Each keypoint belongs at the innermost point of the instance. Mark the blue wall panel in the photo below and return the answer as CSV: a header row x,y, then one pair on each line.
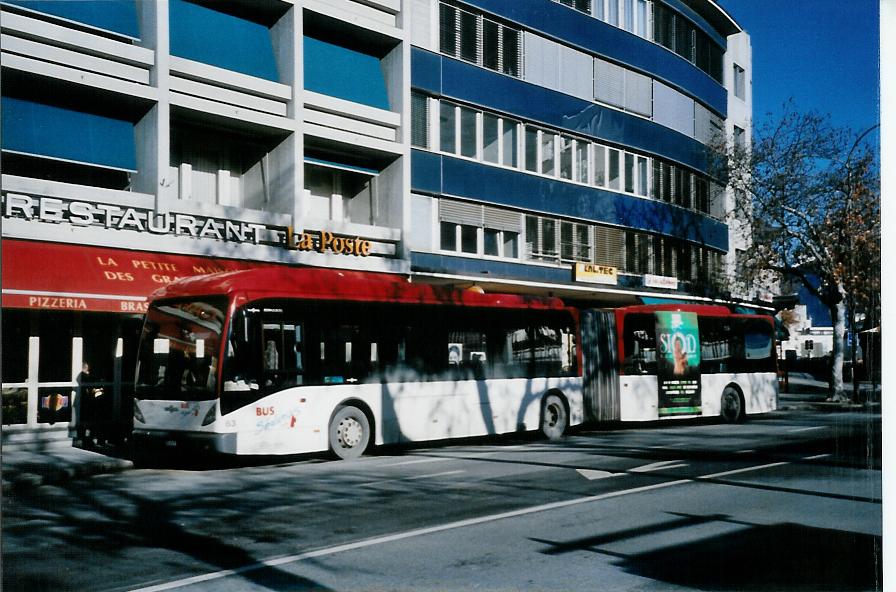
x,y
219,39
528,101
595,36
487,268
44,130
437,174
118,16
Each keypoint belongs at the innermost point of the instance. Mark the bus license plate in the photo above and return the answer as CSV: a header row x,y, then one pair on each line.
x,y
171,443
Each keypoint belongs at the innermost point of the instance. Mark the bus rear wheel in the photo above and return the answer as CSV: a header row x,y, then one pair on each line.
x,y
554,418
732,406
349,432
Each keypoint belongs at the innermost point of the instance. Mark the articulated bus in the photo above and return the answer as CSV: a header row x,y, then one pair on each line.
x,y
286,361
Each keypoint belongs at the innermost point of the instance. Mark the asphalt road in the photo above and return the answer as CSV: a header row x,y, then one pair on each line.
x,y
790,501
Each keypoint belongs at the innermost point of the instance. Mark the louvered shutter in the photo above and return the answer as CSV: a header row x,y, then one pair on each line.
x,y
609,83
500,219
460,212
638,93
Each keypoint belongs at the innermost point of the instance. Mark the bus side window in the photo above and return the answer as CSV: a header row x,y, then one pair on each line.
x,y
639,342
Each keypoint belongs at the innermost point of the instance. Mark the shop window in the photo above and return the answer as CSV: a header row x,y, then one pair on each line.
x,y
15,336
55,347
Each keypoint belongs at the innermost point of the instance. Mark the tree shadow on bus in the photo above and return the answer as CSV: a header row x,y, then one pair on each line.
x,y
745,556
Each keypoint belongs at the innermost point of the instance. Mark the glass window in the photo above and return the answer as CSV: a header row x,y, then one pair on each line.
x,y
598,9
548,236
566,144
491,239
641,23
532,246
490,32
467,354
467,132
511,53
15,339
613,12
639,344
629,15
581,161
531,149
739,138
509,131
547,154
642,175
469,242
179,348
566,241
739,82
468,36
511,244
490,137
600,166
448,234
447,129
629,173
613,173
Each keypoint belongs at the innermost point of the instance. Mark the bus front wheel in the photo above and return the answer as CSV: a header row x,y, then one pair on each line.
x,y
554,418
349,432
732,405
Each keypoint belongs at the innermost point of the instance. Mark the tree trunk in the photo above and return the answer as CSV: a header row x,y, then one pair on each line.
x,y
838,319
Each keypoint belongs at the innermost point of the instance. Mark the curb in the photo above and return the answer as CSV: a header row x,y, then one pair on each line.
x,y
29,477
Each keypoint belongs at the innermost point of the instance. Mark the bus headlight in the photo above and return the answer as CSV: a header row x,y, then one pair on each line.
x,y
138,415
211,416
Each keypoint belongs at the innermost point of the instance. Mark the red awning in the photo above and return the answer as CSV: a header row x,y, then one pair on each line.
x,y
68,277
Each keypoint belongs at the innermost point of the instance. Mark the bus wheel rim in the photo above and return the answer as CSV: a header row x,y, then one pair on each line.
x,y
350,432
553,415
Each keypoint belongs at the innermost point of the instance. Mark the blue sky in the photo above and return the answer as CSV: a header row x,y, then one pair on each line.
x,y
823,53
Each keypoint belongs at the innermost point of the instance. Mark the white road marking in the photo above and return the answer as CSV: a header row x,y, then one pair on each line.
x,y
414,462
430,530
591,475
816,457
658,466
807,429
415,477
748,451
743,470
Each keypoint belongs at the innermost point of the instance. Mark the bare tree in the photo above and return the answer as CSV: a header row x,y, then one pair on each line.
x,y
810,195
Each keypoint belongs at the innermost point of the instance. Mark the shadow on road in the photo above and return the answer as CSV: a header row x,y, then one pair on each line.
x,y
756,557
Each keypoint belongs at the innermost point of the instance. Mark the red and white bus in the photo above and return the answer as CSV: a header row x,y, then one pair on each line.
x,y
286,361
651,362
280,361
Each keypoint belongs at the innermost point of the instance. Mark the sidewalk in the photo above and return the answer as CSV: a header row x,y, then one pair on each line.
x,y
51,461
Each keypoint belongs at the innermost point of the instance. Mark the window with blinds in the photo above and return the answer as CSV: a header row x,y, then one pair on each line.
x,y
542,238
575,242
473,38
673,109
609,246
419,120
675,32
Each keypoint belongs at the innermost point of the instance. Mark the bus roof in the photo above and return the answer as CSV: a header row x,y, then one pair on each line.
x,y
334,284
700,309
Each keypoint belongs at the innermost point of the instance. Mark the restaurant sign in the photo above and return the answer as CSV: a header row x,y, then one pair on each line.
x,y
87,214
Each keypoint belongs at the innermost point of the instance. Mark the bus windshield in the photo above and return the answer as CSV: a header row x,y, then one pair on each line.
x,y
179,348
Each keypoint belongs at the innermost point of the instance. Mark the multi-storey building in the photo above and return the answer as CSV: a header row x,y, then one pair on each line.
x,y
528,146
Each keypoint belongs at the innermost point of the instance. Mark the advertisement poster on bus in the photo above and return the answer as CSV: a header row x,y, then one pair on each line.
x,y
678,363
